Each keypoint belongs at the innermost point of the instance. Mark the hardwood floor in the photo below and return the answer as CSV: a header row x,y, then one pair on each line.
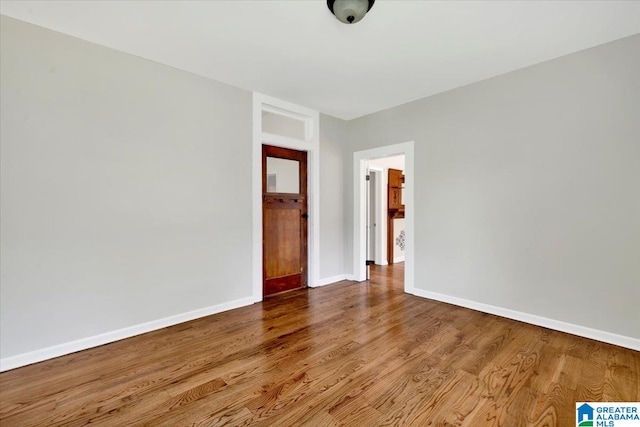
x,y
355,354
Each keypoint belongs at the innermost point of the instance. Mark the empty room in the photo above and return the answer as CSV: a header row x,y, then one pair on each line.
x,y
320,213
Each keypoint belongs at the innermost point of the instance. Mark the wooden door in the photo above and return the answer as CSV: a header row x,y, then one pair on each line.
x,y
284,219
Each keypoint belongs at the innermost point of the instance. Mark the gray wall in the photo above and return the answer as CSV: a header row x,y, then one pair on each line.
x,y
332,189
126,190
528,187
116,207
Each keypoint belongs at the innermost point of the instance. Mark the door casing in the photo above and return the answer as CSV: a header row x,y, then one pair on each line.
x,y
311,144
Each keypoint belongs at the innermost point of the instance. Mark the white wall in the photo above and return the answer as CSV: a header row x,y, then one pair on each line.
x,y
126,190
115,195
398,230
332,186
395,162
528,188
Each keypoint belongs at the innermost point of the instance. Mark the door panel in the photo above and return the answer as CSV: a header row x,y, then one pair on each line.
x,y
284,219
283,242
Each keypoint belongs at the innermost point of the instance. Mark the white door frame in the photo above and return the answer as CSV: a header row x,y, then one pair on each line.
x,y
359,224
380,214
310,144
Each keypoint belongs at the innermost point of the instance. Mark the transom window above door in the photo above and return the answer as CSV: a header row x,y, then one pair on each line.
x,y
286,124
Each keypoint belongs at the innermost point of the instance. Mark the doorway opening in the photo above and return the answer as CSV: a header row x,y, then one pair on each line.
x,y
383,210
386,233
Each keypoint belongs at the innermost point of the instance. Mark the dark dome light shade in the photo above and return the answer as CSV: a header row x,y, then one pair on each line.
x,y
350,11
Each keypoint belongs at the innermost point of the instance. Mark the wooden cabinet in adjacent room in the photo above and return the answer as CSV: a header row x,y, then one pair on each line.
x,y
395,207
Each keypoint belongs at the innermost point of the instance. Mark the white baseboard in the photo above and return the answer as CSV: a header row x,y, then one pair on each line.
x,y
582,331
398,259
351,277
24,359
330,280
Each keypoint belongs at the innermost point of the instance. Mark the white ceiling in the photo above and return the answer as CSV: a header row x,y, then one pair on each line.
x,y
297,50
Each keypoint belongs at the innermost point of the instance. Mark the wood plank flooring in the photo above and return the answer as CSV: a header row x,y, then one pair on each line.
x,y
352,354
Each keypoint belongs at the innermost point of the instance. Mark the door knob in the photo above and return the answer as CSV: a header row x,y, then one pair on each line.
x,y
305,216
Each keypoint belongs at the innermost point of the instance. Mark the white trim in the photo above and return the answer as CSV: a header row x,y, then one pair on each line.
x,y
330,280
570,328
108,337
380,246
283,112
350,277
279,106
312,146
256,194
359,188
381,214
284,141
398,258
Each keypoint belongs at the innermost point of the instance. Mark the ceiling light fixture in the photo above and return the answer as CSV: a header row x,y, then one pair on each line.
x,y
350,11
